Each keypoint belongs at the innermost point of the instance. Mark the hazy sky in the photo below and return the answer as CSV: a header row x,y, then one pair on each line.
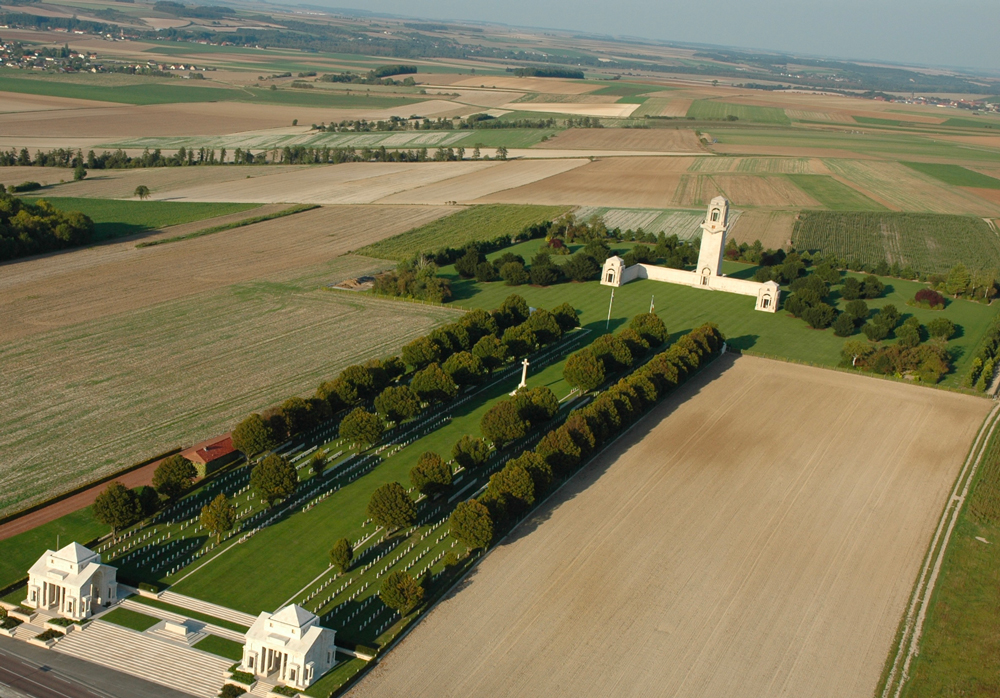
x,y
927,32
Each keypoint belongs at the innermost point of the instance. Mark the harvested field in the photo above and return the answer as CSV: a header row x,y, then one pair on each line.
x,y
555,85
831,116
637,182
42,175
683,224
664,106
727,562
16,102
696,190
991,195
42,294
781,166
508,175
136,383
601,110
746,190
665,140
348,183
772,228
908,190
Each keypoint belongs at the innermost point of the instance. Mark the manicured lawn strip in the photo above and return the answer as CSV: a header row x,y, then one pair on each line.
x,y
116,218
465,226
336,677
130,619
19,552
220,646
193,615
960,646
833,194
234,224
955,175
683,308
710,109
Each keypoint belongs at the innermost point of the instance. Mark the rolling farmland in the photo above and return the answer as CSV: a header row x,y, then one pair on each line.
x,y
927,243
732,563
683,224
712,110
833,194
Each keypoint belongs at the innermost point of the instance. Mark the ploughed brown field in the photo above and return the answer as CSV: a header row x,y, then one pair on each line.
x,y
757,535
667,140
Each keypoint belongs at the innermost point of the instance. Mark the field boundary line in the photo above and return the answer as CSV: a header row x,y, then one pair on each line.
x,y
916,613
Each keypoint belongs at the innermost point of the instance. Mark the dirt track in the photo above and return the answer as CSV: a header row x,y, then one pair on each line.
x,y
757,536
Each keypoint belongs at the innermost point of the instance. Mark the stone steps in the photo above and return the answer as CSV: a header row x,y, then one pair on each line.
x,y
181,668
26,631
176,617
209,609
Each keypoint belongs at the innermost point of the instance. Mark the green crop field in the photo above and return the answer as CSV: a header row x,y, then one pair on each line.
x,y
711,110
19,552
960,646
627,90
873,121
955,175
458,229
833,194
982,122
929,243
115,218
510,138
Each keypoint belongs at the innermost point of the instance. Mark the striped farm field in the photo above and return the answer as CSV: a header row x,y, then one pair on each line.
x,y
683,224
712,110
925,242
833,194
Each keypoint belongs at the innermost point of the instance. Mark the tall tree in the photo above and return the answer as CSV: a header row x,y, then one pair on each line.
x,y
432,384
218,516
470,452
502,423
341,555
401,592
431,474
397,403
253,436
471,524
391,507
584,370
274,478
362,427
173,475
491,352
141,191
118,507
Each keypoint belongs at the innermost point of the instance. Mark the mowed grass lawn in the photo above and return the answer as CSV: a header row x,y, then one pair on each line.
x,y
683,308
19,552
220,646
833,194
128,618
467,225
960,646
114,218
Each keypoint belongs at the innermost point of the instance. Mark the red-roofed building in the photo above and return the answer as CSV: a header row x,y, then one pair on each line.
x,y
209,456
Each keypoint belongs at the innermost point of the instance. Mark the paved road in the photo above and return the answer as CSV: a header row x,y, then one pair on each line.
x,y
26,670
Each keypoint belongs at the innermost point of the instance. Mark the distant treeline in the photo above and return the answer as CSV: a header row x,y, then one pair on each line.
x,y
378,76
535,72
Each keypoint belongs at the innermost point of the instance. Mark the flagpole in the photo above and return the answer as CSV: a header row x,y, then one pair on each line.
x,y
651,303
608,324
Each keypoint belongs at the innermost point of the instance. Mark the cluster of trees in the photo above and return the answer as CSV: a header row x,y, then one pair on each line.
x,y
378,76
929,298
120,507
609,354
960,282
753,254
34,228
528,477
984,362
514,418
921,351
539,72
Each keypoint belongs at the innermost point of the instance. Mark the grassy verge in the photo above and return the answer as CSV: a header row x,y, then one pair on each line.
x,y
960,646
130,619
193,615
465,226
229,226
114,218
221,647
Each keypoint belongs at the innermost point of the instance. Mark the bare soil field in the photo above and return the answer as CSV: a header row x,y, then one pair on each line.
x,y
555,85
94,397
55,291
637,182
578,109
665,140
749,190
514,173
909,190
991,195
348,183
704,555
17,102
43,175
772,228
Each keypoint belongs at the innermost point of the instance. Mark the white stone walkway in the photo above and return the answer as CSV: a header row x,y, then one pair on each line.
x,y
209,609
181,668
178,618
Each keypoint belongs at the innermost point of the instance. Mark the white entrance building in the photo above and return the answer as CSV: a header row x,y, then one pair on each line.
x,y
289,646
708,273
71,582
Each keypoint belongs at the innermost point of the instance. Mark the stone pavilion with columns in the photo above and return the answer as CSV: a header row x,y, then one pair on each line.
x,y
71,582
708,274
289,647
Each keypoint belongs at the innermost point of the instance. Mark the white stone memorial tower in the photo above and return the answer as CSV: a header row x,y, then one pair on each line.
x,y
713,240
